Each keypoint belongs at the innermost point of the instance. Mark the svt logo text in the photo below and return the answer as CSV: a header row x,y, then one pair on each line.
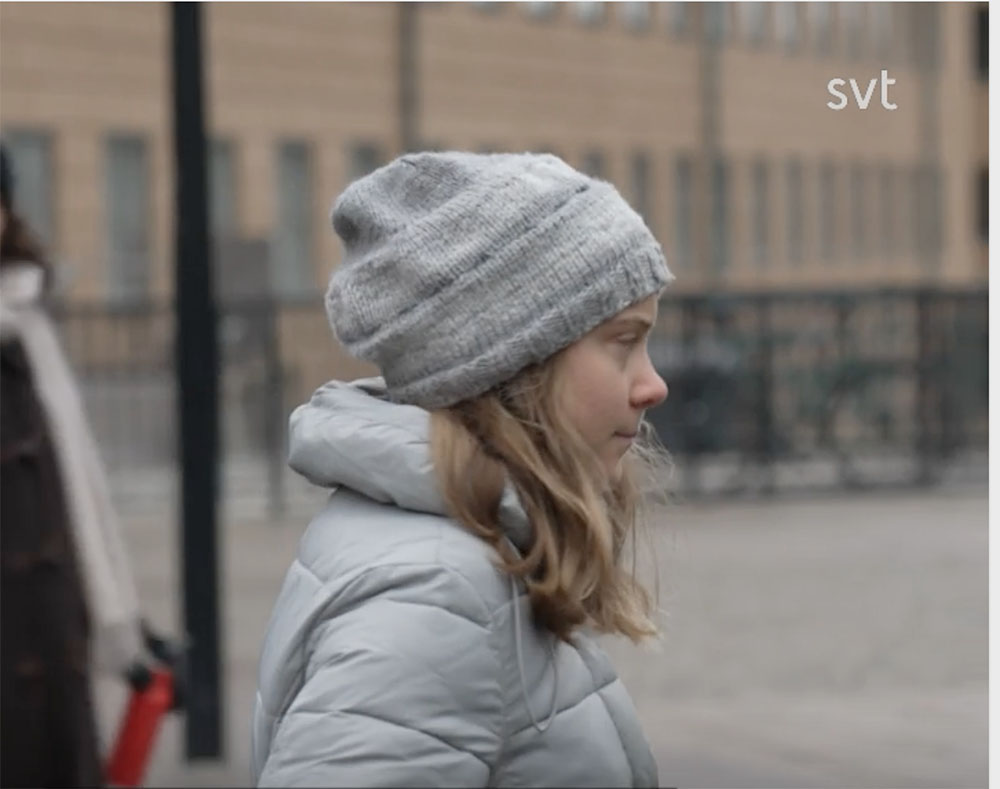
x,y
862,101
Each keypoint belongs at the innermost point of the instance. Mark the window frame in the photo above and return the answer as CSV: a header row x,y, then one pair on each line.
x,y
684,208
635,17
39,214
760,214
123,288
720,230
583,12
300,229
795,202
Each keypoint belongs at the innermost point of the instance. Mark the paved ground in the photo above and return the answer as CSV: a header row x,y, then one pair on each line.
x,y
839,641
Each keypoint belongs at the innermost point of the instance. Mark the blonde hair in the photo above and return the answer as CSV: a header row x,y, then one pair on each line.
x,y
582,522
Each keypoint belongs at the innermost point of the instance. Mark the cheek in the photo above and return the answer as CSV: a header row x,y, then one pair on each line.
x,y
593,389
592,408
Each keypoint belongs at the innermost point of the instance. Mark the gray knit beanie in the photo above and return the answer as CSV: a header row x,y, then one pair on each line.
x,y
462,269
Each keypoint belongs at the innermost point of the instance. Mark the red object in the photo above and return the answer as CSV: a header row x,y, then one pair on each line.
x,y
146,709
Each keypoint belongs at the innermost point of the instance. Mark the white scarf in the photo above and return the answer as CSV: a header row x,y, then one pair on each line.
x,y
109,586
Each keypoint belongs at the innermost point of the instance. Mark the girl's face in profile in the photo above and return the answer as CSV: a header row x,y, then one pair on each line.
x,y
607,381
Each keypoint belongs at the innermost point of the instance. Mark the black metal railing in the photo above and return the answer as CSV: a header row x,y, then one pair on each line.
x,y
768,391
842,389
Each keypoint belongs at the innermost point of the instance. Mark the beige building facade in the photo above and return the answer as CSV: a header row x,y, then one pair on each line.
x,y
713,120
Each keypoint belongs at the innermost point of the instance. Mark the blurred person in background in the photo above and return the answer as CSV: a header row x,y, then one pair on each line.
x,y
68,600
433,629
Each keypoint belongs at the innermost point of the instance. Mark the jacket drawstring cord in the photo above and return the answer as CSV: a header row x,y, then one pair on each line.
x,y
520,659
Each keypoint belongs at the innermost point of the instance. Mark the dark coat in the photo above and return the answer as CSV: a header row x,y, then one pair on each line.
x,y
47,725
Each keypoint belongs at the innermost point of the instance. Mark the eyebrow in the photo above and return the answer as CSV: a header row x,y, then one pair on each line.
x,y
642,324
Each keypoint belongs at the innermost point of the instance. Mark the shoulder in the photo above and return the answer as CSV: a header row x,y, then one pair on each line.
x,y
358,549
375,574
385,625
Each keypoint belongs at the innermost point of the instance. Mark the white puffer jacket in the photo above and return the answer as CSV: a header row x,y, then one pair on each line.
x,y
398,655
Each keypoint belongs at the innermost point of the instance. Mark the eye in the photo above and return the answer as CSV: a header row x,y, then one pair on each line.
x,y
628,340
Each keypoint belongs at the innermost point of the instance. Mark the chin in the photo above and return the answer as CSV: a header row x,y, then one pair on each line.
x,y
613,471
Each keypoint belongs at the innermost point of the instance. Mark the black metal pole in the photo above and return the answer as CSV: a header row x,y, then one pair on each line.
x,y
197,369
766,440
844,308
924,471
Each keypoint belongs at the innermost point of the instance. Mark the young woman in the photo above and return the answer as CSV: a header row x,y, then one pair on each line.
x,y
432,630
68,604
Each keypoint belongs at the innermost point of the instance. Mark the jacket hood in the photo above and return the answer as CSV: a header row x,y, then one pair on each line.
x,y
351,434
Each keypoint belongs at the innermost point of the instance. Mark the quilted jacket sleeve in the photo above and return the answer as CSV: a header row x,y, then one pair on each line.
x,y
401,688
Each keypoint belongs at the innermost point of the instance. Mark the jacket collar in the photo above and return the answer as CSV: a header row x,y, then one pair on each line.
x,y
350,433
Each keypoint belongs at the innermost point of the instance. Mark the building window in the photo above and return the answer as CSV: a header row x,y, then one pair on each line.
x,y
31,160
364,158
640,178
593,164
759,213
933,37
753,21
222,191
902,212
292,245
822,27
914,208
795,200
540,10
679,15
788,26
981,45
684,215
635,16
983,203
881,23
859,211
854,28
924,38
719,225
927,208
590,13
716,21
935,203
127,211
887,212
828,213
918,212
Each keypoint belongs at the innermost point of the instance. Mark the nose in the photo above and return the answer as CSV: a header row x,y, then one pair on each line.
x,y
649,389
